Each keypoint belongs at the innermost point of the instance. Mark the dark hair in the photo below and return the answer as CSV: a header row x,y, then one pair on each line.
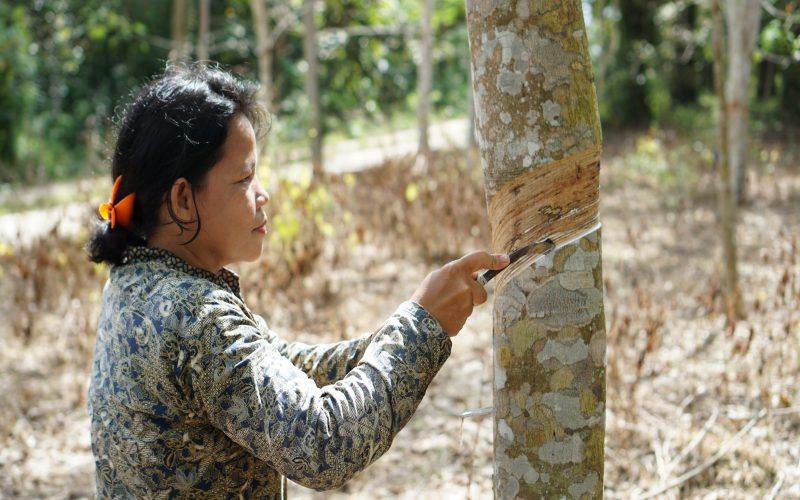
x,y
174,127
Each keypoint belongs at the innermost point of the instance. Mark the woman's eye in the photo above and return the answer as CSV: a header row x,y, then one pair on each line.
x,y
247,178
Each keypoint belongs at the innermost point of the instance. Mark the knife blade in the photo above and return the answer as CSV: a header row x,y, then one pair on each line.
x,y
540,247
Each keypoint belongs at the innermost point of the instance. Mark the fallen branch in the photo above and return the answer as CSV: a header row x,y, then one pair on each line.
x,y
708,463
695,440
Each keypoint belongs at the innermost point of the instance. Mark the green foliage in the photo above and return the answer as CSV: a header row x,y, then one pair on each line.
x,y
301,219
778,65
67,66
777,40
17,92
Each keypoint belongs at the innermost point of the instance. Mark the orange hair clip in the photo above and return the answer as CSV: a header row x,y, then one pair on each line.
x,y
120,213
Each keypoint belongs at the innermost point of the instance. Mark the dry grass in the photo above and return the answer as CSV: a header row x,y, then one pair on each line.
x,y
681,384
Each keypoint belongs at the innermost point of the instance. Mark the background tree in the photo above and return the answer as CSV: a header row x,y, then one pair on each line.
x,y
79,60
310,51
264,44
425,79
743,21
204,20
180,43
266,36
727,205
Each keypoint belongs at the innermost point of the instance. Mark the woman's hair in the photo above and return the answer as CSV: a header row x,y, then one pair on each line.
x,y
174,127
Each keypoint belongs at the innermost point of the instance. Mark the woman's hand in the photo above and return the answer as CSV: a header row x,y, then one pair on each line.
x,y
449,293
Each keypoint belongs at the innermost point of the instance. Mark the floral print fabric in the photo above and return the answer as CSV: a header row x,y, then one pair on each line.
x,y
192,395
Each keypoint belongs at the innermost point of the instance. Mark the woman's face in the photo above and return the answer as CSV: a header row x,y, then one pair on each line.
x,y
230,202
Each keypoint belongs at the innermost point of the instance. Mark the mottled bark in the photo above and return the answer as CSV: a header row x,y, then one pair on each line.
x,y
727,206
312,86
425,78
743,17
202,32
536,109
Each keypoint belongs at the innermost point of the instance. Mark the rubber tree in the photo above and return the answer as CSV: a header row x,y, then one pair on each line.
x,y
204,9
311,51
538,132
744,20
283,16
727,204
180,46
261,26
425,80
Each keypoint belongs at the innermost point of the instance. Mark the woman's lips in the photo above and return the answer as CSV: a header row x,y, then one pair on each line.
x,y
262,228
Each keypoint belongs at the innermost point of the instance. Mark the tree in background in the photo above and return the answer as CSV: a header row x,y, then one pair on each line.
x,y
743,20
266,37
727,205
539,135
202,31
180,44
310,50
77,61
425,80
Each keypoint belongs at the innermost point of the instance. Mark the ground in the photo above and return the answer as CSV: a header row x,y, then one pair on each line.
x,y
696,407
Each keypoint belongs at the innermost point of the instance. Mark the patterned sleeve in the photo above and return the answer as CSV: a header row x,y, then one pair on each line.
x,y
318,437
324,363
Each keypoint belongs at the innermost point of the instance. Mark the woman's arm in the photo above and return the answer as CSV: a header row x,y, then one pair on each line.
x,y
323,363
317,436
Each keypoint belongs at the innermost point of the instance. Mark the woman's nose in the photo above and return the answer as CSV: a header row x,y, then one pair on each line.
x,y
262,197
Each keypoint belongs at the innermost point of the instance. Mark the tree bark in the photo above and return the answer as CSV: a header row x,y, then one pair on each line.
x,y
425,80
743,18
727,206
202,34
264,44
539,136
471,142
178,52
312,86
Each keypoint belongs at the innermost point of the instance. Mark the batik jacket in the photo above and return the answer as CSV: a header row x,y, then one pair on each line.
x,y
192,395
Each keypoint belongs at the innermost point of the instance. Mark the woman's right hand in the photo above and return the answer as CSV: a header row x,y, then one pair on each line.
x,y
450,292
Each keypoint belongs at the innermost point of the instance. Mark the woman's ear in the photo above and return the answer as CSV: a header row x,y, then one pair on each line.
x,y
183,201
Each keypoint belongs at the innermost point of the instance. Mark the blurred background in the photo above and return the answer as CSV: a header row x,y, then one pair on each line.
x,y
373,172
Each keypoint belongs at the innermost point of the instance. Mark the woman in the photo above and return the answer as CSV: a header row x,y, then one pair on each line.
x,y
191,393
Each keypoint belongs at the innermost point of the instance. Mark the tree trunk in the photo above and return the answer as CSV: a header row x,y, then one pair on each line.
x,y
471,155
202,34
425,80
264,54
178,52
312,86
471,143
743,18
727,207
538,132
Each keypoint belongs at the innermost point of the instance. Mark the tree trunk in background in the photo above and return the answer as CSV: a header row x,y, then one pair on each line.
x,y
178,52
264,54
202,34
425,80
744,20
727,206
312,86
538,132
